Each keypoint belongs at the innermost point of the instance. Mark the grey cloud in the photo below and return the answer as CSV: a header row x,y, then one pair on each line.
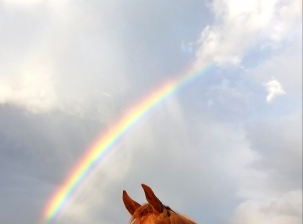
x,y
36,154
281,151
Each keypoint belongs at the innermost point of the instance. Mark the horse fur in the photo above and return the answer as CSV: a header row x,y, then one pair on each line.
x,y
154,212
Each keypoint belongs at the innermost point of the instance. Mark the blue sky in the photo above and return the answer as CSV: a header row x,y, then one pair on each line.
x,y
225,148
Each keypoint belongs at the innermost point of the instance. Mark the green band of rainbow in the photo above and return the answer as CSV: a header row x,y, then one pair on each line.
x,y
93,155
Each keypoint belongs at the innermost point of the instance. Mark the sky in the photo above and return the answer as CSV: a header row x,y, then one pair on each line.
x,y
223,148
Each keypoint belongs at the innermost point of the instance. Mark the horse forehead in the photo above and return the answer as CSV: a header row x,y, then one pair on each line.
x,y
146,215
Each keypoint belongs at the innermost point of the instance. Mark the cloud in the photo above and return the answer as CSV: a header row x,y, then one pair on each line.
x,y
34,89
270,183
60,48
280,210
214,142
241,25
274,89
272,187
21,3
285,66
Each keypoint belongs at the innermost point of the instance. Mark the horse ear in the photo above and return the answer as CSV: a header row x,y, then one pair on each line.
x,y
129,203
152,199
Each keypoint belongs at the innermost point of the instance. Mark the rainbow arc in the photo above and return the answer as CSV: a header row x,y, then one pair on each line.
x,y
93,156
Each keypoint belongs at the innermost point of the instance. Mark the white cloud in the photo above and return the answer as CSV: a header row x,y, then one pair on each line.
x,y
274,89
286,66
242,24
34,90
279,210
288,19
49,68
21,2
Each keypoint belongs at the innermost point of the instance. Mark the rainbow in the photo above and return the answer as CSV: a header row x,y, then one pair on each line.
x,y
107,140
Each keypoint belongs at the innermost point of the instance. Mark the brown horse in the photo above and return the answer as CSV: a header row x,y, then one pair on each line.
x,y
154,212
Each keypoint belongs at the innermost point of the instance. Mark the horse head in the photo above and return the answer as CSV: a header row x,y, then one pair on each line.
x,y
153,212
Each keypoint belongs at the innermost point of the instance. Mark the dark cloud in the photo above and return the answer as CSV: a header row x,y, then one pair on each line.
x,y
36,152
281,151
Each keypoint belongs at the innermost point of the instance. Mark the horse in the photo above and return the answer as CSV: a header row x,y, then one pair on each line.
x,y
153,212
